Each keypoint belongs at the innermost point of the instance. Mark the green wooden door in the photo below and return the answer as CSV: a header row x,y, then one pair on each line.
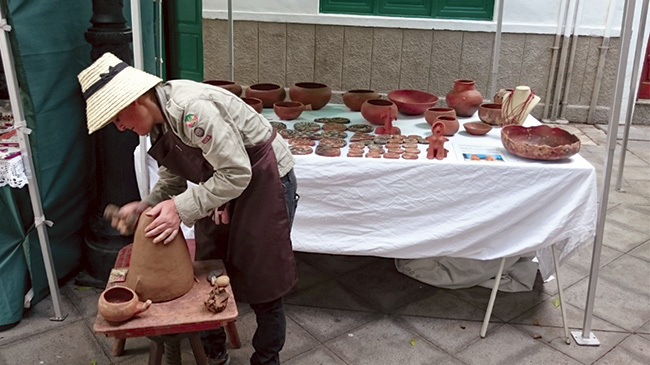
x,y
183,40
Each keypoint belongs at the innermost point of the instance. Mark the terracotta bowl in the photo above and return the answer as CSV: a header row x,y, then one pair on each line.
x,y
311,93
268,93
412,102
375,111
490,113
539,142
432,113
288,110
256,103
451,124
477,128
353,99
231,86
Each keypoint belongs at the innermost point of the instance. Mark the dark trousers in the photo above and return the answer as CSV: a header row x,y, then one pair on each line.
x,y
271,331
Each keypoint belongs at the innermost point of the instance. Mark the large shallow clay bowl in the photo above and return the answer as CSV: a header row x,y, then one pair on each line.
x,y
311,93
490,113
477,128
231,86
412,102
288,110
539,142
268,93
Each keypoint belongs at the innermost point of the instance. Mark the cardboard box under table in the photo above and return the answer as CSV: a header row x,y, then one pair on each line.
x,y
167,322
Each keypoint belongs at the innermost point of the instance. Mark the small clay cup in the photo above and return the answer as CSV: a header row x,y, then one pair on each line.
x,y
451,124
431,114
289,110
268,93
256,103
119,303
477,128
490,113
353,99
231,86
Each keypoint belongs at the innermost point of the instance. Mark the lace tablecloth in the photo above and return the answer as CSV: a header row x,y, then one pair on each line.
x,y
12,172
12,169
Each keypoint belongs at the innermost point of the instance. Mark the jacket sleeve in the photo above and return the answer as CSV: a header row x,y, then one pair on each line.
x,y
168,185
216,134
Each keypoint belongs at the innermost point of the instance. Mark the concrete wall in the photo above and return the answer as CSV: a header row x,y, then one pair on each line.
x,y
384,59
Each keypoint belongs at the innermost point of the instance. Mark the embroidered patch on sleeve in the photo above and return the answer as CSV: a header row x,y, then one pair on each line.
x,y
190,120
206,139
199,132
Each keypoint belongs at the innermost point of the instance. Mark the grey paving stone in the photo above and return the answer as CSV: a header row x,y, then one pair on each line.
x,y
398,345
632,216
507,345
633,350
336,264
546,314
642,251
444,305
320,355
451,335
329,294
622,237
325,324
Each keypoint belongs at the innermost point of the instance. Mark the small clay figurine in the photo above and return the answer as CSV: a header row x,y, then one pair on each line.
x,y
437,141
388,128
218,297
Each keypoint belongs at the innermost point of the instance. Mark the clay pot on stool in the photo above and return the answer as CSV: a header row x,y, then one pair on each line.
x,y
311,93
451,124
432,113
231,86
289,110
268,93
464,98
353,99
376,111
256,103
119,303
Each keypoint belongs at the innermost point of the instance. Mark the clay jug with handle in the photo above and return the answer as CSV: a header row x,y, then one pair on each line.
x,y
158,271
119,303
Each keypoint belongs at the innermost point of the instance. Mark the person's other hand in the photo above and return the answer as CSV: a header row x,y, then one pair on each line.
x,y
220,215
166,223
126,217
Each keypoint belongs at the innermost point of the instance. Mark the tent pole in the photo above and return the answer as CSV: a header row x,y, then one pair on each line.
x,y
497,48
138,62
231,42
25,150
586,337
634,87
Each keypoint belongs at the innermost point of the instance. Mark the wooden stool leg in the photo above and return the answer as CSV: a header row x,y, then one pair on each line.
x,y
197,349
155,352
118,346
233,335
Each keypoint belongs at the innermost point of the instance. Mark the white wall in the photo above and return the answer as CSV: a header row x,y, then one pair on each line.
x,y
520,16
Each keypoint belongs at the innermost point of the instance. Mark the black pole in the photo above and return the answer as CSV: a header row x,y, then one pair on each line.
x,y
113,172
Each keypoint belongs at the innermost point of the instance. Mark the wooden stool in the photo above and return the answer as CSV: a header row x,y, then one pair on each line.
x,y
167,322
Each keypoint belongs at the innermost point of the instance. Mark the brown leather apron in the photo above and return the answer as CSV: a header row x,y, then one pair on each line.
x,y
256,245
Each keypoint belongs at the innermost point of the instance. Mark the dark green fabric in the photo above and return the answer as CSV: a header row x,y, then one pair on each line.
x,y
49,51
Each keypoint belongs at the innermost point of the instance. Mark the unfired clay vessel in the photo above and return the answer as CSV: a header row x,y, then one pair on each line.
x,y
159,271
431,114
354,98
119,303
451,124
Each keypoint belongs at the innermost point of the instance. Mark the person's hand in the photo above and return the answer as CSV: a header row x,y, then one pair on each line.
x,y
166,223
220,215
125,218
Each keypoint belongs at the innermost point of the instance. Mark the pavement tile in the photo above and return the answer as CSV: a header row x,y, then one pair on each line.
x,y
325,324
554,337
442,304
633,350
329,294
335,264
548,315
642,251
320,355
384,342
622,237
644,330
632,216
508,345
451,335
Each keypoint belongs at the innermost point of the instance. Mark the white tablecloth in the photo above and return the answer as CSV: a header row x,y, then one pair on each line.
x,y
452,207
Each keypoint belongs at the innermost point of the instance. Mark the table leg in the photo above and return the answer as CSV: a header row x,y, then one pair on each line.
x,y
493,296
118,346
233,335
155,352
197,349
556,262
172,350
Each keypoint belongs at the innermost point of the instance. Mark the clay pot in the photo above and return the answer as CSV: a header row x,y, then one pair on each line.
x,y
289,110
376,111
268,93
311,93
119,303
477,128
158,271
231,86
412,102
491,114
451,124
256,103
498,97
464,98
539,142
431,114
354,98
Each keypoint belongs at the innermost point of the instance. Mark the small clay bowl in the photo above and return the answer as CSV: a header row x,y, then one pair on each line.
x,y
288,110
431,114
490,113
353,99
256,103
477,128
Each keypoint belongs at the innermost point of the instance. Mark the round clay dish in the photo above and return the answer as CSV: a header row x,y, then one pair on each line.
x,y
539,142
477,128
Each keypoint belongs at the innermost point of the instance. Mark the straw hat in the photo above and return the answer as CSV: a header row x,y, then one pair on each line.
x,y
110,85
